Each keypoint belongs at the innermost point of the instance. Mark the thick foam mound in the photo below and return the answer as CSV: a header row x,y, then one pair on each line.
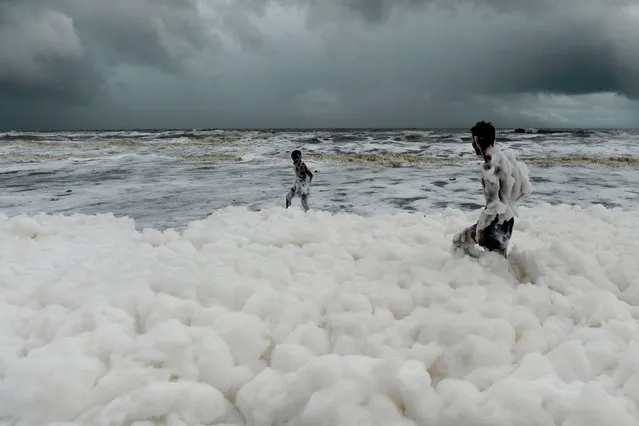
x,y
285,318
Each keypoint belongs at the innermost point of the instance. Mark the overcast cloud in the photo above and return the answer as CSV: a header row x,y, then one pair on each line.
x,y
316,63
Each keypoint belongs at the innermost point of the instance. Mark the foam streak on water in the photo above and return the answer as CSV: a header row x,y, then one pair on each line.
x,y
167,178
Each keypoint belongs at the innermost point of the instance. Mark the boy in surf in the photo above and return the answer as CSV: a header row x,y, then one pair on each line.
x,y
505,181
301,187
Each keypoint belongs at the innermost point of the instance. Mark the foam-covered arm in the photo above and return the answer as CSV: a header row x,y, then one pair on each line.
x,y
521,186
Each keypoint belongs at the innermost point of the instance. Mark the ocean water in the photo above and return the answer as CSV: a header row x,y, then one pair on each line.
x,y
168,178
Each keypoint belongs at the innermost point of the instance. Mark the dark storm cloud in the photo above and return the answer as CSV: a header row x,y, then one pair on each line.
x,y
155,33
62,47
378,11
364,62
569,50
566,58
41,54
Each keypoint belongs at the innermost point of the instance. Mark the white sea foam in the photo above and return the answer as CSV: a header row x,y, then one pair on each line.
x,y
284,318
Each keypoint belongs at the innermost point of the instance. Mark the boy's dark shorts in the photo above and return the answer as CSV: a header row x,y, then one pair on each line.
x,y
497,236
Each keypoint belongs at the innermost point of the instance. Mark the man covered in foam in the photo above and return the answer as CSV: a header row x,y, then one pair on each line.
x,y
504,181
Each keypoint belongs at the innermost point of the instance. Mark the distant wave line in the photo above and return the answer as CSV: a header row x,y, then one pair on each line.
x,y
404,160
380,159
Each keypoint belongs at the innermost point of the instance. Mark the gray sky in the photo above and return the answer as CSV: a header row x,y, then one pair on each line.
x,y
317,63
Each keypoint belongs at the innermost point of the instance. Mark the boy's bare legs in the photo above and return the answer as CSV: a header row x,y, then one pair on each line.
x,y
302,192
304,199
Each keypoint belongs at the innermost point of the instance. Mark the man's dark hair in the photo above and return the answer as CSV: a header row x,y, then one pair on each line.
x,y
296,154
483,136
485,131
